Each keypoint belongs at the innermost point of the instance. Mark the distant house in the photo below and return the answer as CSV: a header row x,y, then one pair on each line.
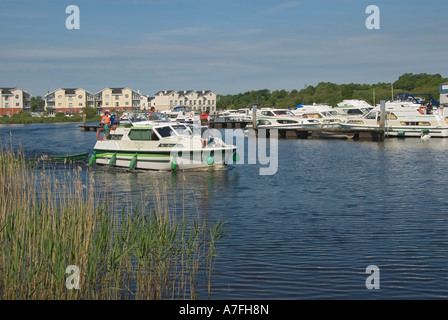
x,y
444,93
120,99
68,101
203,101
13,100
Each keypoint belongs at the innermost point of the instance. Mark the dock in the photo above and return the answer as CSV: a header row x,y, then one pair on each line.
x,y
85,127
300,133
308,133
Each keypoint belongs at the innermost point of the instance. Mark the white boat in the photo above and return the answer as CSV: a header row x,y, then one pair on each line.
x,y
353,108
402,120
182,114
324,113
285,123
161,146
272,112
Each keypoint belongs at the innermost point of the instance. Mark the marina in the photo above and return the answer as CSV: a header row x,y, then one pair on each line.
x,y
308,232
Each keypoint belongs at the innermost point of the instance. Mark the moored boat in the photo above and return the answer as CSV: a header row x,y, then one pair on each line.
x,y
402,121
161,146
69,157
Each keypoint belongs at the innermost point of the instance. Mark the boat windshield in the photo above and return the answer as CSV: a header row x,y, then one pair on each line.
x,y
283,113
330,113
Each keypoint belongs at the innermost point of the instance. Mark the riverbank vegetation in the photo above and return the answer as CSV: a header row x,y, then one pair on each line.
x,y
54,224
26,118
331,93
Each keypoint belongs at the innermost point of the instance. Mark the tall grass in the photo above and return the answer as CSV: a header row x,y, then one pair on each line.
x,y
49,222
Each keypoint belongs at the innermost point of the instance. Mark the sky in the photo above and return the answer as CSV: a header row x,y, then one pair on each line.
x,y
228,46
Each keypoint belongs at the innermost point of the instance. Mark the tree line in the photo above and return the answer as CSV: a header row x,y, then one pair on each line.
x,y
331,93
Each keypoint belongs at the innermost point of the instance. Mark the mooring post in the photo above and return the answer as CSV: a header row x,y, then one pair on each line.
x,y
84,120
382,119
254,116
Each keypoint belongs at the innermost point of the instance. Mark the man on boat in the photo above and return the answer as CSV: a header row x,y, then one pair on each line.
x,y
105,122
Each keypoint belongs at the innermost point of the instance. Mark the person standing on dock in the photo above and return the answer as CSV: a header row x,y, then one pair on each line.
x,y
105,122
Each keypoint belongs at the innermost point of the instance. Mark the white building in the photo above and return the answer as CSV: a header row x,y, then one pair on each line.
x,y
120,99
68,101
14,100
444,94
204,101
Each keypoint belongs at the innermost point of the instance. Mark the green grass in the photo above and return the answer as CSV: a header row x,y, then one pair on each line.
x,y
49,222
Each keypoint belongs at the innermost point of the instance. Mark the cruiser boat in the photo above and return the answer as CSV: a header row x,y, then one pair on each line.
x,y
402,121
161,146
353,108
285,123
181,114
324,113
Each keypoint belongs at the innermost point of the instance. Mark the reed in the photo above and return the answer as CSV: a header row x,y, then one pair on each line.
x,y
49,221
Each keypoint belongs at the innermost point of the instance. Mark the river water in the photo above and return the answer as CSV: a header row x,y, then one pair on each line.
x,y
310,230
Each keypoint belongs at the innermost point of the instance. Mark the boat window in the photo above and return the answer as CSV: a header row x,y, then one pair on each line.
x,y
393,116
354,112
263,122
312,115
184,130
415,123
140,134
116,136
286,121
165,132
330,113
371,115
267,113
283,113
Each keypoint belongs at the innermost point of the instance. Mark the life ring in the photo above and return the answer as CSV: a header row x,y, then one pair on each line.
x,y
98,134
422,110
191,115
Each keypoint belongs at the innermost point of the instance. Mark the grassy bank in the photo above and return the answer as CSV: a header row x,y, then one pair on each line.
x,y
49,222
25,118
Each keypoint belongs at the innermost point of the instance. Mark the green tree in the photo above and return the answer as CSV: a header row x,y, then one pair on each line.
x,y
37,104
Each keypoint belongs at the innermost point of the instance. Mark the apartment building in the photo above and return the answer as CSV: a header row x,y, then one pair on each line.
x,y
444,94
13,100
120,99
69,101
203,101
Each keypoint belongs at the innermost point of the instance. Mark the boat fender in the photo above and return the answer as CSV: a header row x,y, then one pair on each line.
x,y
92,159
133,161
236,157
174,163
112,160
210,160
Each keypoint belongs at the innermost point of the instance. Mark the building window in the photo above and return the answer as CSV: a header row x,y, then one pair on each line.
x,y
107,96
116,104
117,97
80,104
6,105
59,104
17,104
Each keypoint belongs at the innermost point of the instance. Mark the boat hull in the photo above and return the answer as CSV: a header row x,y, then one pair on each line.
x,y
176,160
398,131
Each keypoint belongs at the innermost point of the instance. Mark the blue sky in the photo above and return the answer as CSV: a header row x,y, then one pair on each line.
x,y
227,46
